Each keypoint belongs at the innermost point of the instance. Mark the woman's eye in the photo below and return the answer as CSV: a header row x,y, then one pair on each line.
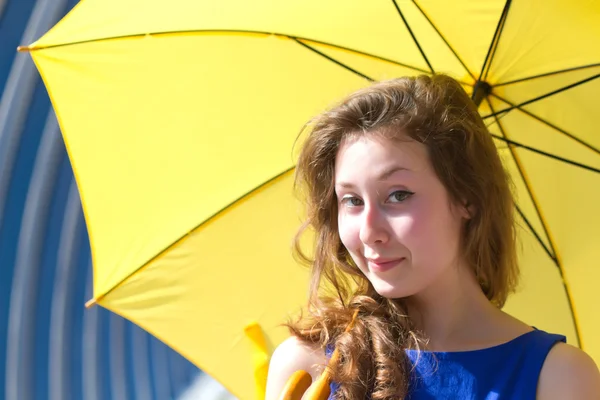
x,y
400,195
352,201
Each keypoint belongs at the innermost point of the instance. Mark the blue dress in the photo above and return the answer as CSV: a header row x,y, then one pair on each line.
x,y
507,371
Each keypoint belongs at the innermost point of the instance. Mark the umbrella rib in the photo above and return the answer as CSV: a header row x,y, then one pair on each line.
x,y
25,48
413,36
517,161
546,74
556,258
505,110
532,115
544,153
362,53
487,63
535,233
460,60
95,300
333,60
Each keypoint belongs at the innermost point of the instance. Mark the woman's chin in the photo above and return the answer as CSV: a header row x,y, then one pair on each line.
x,y
390,291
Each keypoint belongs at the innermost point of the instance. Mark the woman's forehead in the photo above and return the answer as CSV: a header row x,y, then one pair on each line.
x,y
381,156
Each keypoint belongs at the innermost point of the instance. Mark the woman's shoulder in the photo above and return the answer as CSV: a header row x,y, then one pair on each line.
x,y
290,356
568,373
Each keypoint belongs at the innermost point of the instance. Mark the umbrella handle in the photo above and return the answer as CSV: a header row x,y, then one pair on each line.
x,y
299,384
296,386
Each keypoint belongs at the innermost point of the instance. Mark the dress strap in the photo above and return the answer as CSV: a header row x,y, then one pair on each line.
x,y
538,349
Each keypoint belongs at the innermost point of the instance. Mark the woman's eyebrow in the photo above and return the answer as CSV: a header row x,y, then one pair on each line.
x,y
390,171
386,174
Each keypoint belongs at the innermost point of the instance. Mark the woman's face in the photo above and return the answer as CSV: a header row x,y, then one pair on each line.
x,y
395,216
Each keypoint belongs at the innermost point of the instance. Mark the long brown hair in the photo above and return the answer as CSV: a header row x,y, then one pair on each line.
x,y
436,111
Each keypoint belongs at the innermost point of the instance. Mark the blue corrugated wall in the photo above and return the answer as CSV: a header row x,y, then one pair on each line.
x,y
51,347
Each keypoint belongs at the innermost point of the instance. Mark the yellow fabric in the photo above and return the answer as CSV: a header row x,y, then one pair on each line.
x,y
173,111
233,272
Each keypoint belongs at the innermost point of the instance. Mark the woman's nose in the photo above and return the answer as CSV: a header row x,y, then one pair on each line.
x,y
374,227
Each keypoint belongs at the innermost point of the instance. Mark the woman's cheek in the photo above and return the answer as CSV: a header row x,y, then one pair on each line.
x,y
349,234
407,230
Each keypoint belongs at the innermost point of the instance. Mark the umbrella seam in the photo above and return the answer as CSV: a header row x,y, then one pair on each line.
x,y
98,298
413,37
487,64
535,233
330,58
444,40
546,74
335,61
261,33
549,155
542,97
527,185
564,132
556,258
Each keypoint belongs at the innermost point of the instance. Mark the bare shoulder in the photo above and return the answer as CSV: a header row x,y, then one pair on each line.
x,y
569,373
290,356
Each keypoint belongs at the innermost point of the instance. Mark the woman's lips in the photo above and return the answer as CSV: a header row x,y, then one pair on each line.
x,y
382,265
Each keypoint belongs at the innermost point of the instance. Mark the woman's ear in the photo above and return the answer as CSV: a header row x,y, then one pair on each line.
x,y
467,210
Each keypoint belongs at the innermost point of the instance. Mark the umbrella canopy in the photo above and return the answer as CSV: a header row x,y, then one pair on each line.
x,y
180,117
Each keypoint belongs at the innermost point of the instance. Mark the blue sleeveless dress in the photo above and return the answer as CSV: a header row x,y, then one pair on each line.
x,y
507,371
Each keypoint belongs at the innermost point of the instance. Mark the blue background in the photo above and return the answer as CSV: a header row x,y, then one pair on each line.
x,y
51,347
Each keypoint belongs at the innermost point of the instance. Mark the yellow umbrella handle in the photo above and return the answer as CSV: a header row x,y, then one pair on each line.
x,y
299,383
296,386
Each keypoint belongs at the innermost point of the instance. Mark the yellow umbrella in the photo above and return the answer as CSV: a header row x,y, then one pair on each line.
x,y
179,118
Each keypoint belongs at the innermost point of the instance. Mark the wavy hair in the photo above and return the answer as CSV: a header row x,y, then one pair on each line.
x,y
437,112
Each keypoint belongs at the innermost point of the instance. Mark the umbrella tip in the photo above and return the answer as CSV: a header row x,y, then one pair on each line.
x,y
23,49
91,303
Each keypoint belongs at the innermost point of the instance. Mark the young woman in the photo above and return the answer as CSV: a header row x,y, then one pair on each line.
x,y
415,233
